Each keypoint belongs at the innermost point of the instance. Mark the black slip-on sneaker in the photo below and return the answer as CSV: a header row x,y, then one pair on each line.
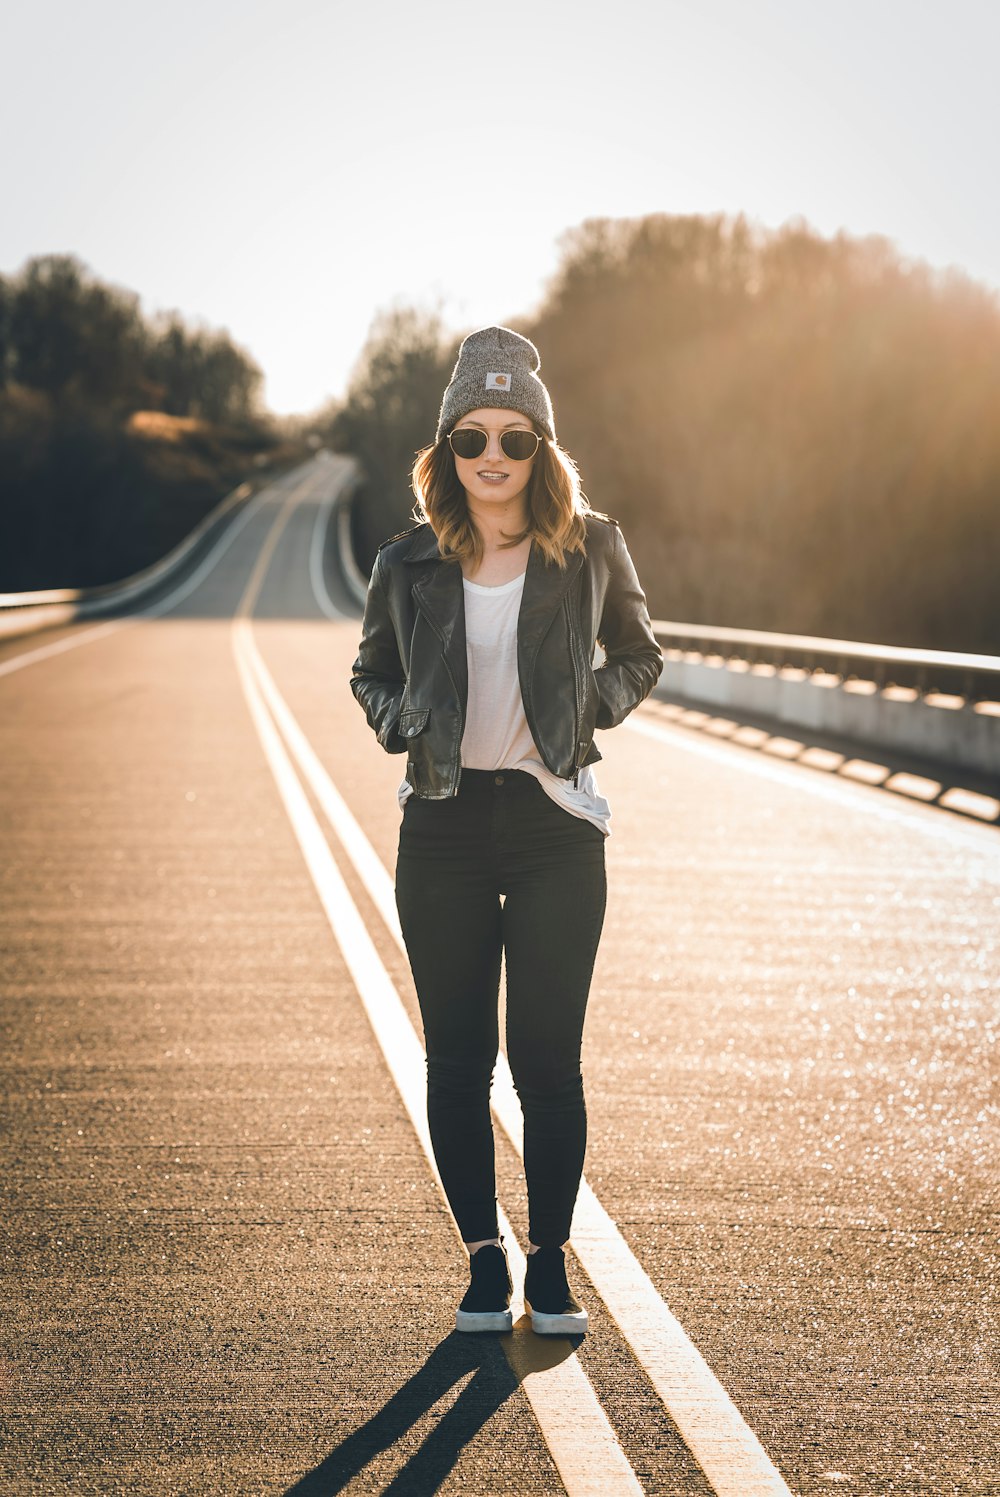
x,y
554,1309
486,1306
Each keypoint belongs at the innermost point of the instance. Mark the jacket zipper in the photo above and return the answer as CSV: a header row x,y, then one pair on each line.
x,y
577,695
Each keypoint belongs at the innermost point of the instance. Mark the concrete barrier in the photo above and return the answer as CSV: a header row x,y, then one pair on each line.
x,y
26,613
948,727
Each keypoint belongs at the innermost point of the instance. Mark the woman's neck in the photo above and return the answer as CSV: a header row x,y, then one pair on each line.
x,y
498,524
501,562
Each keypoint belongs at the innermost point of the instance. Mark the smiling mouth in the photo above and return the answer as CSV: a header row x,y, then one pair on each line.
x,y
494,478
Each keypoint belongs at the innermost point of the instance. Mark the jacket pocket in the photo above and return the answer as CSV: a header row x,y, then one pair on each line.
x,y
412,720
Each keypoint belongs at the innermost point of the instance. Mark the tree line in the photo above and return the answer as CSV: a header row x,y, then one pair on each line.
x,y
65,333
796,433
89,492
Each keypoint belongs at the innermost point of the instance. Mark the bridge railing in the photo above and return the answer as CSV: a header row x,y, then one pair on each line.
x,y
27,612
952,672
942,705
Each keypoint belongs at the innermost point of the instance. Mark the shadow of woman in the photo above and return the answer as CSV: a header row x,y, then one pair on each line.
x,y
423,1473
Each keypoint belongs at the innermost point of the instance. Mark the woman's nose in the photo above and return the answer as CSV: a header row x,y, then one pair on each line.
x,y
494,452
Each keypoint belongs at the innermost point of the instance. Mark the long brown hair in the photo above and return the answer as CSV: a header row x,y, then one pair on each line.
x,y
556,505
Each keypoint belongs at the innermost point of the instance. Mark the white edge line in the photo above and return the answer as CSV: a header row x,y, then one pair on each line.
x,y
68,642
936,823
318,545
356,585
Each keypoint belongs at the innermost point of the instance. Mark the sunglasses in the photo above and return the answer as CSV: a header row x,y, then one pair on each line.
x,y
472,441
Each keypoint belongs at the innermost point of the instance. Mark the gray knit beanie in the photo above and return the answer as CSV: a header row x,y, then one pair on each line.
x,y
496,367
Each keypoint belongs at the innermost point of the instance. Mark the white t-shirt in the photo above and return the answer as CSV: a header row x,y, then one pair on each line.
x,y
496,734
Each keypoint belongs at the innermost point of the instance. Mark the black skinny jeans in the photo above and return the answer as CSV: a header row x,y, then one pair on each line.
x,y
501,834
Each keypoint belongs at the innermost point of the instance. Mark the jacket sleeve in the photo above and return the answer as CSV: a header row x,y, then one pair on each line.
x,y
634,660
378,677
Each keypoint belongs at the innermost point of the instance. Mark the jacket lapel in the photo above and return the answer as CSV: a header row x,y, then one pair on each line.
x,y
439,594
545,586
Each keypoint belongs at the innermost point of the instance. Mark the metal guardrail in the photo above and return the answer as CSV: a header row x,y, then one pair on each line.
x,y
80,600
974,677
28,612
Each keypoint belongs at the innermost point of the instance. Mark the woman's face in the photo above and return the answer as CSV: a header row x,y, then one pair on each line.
x,y
494,479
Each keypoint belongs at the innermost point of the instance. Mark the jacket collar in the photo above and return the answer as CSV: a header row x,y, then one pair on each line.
x,y
440,593
423,546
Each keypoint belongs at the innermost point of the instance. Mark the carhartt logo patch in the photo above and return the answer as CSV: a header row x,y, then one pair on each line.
x,y
496,381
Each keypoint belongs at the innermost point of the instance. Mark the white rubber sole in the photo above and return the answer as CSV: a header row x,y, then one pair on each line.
x,y
558,1325
484,1320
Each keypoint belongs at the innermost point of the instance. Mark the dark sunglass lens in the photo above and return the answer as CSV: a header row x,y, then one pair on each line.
x,y
468,442
519,445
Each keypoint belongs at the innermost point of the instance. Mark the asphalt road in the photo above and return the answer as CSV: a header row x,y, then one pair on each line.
x,y
227,1266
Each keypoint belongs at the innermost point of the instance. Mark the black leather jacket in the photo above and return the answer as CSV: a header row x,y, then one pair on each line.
x,y
411,674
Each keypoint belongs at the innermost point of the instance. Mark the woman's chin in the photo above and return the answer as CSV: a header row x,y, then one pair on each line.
x,y
494,493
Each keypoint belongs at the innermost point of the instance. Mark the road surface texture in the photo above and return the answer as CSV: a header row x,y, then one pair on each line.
x,y
228,1266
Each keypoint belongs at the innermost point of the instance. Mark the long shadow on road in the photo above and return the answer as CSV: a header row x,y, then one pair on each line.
x,y
426,1469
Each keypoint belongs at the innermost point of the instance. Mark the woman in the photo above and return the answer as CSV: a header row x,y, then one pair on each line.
x,y
476,661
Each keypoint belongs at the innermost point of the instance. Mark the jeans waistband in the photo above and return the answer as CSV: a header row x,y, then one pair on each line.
x,y
495,779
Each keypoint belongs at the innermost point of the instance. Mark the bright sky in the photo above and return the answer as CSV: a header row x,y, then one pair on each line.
x,y
287,168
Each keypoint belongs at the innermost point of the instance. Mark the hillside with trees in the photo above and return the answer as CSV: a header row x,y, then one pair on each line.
x,y
796,433
390,411
118,432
